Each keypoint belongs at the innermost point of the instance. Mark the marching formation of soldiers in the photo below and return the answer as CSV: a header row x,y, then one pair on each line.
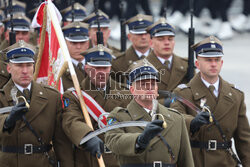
x,y
157,117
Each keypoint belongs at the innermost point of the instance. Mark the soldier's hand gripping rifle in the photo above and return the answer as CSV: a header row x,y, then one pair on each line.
x,y
12,33
123,26
99,33
191,32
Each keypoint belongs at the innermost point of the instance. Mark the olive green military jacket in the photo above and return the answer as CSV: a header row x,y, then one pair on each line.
x,y
229,110
122,141
67,80
74,124
4,75
177,73
124,60
44,116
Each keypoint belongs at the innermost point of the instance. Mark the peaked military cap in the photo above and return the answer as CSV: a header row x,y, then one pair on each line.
x,y
79,13
92,20
142,70
161,28
139,23
209,47
17,7
20,23
99,56
20,52
76,32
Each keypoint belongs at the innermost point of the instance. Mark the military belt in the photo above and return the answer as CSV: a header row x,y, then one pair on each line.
x,y
26,149
154,164
211,145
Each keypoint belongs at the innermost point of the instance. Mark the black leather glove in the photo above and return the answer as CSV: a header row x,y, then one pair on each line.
x,y
95,146
16,114
152,129
201,119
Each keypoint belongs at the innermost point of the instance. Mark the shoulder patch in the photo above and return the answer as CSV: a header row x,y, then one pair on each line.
x,y
182,86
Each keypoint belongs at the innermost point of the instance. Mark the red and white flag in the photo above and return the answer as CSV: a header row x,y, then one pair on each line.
x,y
52,60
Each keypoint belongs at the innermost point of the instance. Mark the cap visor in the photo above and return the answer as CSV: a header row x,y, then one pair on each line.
x,y
20,28
144,77
164,33
77,39
22,60
99,64
101,25
211,54
138,31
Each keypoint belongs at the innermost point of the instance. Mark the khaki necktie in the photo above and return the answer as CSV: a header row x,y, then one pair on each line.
x,y
167,64
142,57
80,67
26,93
211,88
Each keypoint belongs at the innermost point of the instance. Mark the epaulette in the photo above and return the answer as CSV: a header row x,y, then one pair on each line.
x,y
119,109
182,86
117,56
174,110
50,88
235,87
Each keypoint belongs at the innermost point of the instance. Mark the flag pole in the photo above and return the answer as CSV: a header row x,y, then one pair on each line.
x,y
66,55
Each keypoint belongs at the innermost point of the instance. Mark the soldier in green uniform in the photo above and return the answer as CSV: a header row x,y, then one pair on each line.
x,y
211,139
79,13
140,47
21,26
153,145
30,135
172,68
104,91
105,29
77,40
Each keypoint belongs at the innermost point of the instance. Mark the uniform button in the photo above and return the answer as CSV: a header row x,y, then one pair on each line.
x,y
150,149
21,130
182,67
2,71
196,94
230,94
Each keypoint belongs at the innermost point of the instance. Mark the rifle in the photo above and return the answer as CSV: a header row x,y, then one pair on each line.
x,y
99,33
73,11
191,67
164,14
12,33
123,26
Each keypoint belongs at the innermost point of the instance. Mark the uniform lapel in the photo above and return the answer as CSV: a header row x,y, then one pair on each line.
x,y
225,100
159,66
39,100
7,88
138,113
131,56
178,72
201,92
